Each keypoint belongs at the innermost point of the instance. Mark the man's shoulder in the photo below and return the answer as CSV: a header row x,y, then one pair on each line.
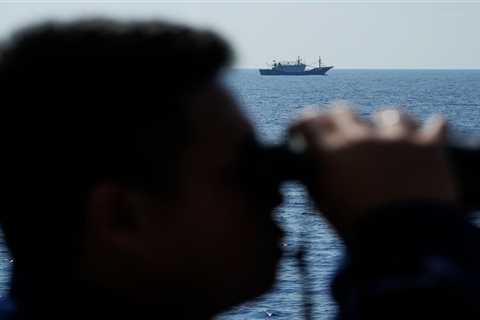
x,y
7,309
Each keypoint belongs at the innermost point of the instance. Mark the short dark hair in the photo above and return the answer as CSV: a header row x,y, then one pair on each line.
x,y
80,99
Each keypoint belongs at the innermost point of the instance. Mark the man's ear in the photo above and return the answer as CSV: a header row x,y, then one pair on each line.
x,y
116,215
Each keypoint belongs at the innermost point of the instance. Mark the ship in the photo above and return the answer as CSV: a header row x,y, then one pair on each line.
x,y
295,68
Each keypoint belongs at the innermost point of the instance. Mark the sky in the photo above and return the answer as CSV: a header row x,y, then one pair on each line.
x,y
347,34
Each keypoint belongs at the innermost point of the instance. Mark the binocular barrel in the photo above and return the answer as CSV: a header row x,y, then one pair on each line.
x,y
466,167
286,164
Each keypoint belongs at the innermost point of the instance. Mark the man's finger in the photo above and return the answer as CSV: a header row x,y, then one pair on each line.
x,y
434,131
313,126
349,123
392,123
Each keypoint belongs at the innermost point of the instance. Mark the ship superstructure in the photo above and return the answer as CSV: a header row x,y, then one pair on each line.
x,y
294,68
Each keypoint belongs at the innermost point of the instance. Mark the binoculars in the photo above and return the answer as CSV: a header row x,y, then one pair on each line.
x,y
287,162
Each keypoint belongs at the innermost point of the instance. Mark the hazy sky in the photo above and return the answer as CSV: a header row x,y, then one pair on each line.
x,y
347,34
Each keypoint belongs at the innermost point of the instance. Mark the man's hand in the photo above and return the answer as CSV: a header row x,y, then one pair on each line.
x,y
364,165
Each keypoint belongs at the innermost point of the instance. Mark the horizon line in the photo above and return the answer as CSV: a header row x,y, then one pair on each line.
x,y
379,68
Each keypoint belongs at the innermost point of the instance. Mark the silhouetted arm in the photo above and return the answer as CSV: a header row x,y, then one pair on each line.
x,y
418,260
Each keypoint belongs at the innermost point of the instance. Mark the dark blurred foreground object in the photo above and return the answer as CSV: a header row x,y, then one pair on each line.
x,y
289,162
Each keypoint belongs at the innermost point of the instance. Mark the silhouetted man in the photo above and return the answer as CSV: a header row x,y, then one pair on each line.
x,y
132,194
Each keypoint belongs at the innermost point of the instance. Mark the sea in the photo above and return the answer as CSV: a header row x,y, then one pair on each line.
x,y
272,103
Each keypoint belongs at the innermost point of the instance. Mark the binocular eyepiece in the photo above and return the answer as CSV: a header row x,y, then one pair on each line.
x,y
285,162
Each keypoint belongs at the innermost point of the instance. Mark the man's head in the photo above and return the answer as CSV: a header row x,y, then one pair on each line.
x,y
126,161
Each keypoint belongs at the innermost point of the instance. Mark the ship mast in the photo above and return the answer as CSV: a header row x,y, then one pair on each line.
x,y
319,62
